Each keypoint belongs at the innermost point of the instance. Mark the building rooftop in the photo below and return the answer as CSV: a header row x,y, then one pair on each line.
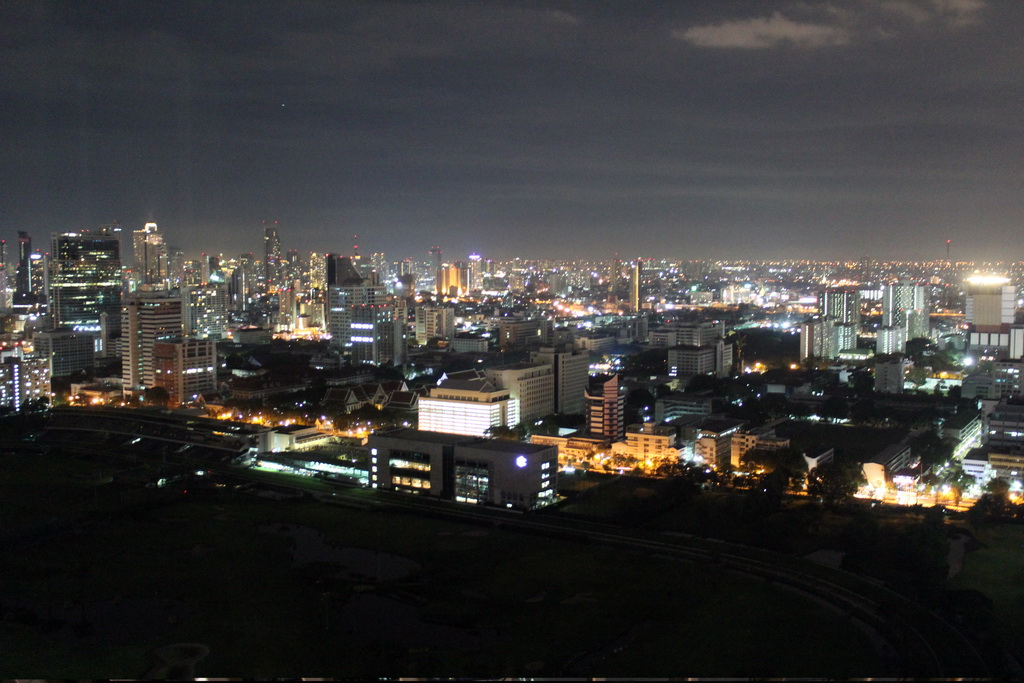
x,y
519,366
961,419
481,385
720,424
410,434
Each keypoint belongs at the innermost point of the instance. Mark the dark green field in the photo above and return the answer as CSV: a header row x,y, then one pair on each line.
x,y
997,570
480,602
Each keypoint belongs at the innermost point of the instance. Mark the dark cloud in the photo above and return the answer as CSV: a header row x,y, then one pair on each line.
x,y
520,128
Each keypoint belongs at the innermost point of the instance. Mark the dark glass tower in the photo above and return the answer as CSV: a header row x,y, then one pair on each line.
x,y
86,280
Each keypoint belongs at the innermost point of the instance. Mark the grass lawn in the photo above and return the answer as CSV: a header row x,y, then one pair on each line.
x,y
484,602
29,484
997,571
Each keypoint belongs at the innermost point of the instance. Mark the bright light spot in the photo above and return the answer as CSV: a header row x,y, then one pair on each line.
x,y
988,280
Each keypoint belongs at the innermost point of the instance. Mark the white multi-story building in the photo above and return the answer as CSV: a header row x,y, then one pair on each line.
x,y
532,385
470,407
648,443
434,322
149,317
891,339
206,310
816,338
713,359
688,334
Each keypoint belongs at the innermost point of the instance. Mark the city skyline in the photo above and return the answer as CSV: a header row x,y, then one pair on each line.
x,y
720,130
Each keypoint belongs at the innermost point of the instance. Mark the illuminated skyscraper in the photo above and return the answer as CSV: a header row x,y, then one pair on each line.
x,y
24,292
206,310
360,319
842,304
634,285
905,304
86,280
272,259
151,257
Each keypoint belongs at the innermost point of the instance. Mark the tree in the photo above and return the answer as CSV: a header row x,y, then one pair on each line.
x,y
156,396
517,433
931,448
835,408
834,482
958,481
999,489
788,460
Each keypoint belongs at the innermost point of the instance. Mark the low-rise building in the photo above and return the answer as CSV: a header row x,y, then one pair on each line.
x,y
976,464
964,430
573,450
467,470
648,443
468,343
761,438
713,441
683,403
470,407
296,438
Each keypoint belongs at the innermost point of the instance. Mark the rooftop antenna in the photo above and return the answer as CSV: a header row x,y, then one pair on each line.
x,y
948,242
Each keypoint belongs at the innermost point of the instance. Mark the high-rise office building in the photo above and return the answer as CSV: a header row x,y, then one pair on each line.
x,y
317,277
206,310
66,350
273,261
905,304
532,385
152,265
634,285
842,304
989,314
29,282
149,317
606,408
360,318
86,279
571,373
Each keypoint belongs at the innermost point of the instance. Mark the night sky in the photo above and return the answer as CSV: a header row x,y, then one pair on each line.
x,y
536,129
